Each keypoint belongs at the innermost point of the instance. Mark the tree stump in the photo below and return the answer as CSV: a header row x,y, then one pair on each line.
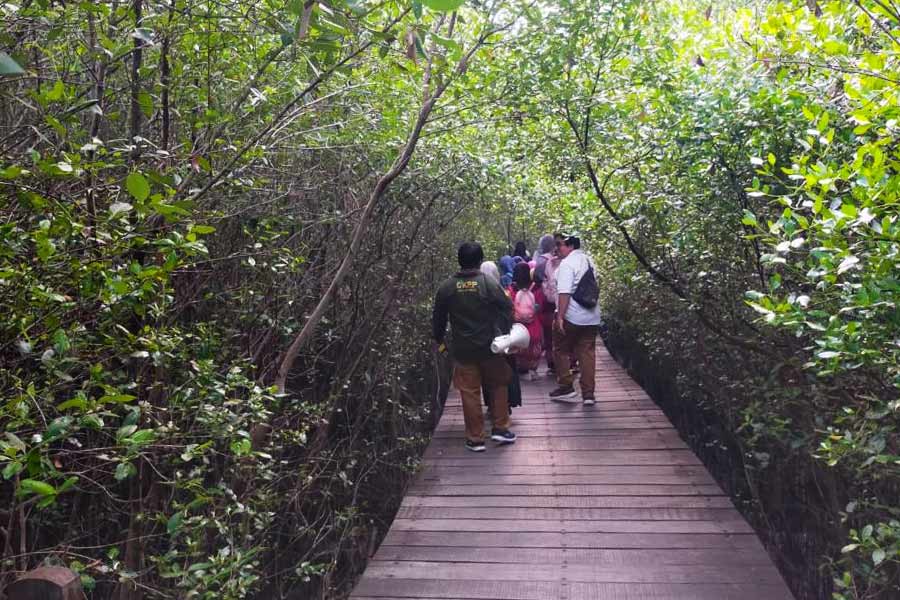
x,y
47,583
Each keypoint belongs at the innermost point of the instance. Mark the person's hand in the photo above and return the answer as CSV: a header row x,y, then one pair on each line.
x,y
560,324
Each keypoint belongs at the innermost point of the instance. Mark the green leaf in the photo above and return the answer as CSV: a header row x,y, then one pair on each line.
x,y
60,341
241,447
8,66
77,402
174,522
137,186
92,421
15,441
116,398
878,556
749,219
295,7
141,437
132,417
143,34
59,426
125,431
446,43
57,91
443,5
12,469
93,105
117,208
145,101
124,471
11,172
67,484
37,487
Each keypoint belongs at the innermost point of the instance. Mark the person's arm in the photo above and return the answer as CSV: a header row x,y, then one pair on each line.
x,y
439,316
562,305
565,286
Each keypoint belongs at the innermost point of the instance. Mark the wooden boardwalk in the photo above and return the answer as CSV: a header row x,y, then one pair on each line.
x,y
600,503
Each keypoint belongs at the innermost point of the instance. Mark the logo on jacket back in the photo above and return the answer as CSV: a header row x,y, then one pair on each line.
x,y
468,286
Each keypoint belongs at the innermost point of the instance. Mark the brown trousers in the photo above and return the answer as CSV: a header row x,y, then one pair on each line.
x,y
467,378
579,341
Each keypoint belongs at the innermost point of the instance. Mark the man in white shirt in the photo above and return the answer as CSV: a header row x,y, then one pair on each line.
x,y
576,326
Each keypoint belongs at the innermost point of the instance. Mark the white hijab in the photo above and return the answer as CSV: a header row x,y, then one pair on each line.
x,y
490,269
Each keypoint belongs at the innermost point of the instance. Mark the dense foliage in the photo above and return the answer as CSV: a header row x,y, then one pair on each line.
x,y
222,223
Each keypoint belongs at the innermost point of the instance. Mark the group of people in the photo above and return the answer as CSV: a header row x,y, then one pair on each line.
x,y
553,294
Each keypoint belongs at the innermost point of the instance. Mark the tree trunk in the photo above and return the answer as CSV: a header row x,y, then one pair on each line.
x,y
134,121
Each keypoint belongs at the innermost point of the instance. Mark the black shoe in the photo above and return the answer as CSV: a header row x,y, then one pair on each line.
x,y
475,446
563,392
588,400
504,436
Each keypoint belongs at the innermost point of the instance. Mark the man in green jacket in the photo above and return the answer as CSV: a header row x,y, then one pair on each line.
x,y
478,310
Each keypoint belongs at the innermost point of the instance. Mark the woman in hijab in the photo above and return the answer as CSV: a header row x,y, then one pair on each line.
x,y
522,251
527,311
545,252
489,268
506,271
514,389
546,264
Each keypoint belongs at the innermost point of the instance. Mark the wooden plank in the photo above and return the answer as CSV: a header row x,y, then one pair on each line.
x,y
466,589
718,573
482,491
457,425
639,441
499,589
543,539
558,556
488,469
574,408
555,431
581,526
533,413
638,502
569,514
551,431
432,479
498,457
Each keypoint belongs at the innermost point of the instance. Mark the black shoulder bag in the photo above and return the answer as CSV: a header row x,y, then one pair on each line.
x,y
587,292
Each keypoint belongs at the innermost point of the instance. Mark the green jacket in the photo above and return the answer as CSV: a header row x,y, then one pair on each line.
x,y
479,310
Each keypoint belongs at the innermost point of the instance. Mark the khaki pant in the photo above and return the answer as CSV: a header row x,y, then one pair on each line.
x,y
467,378
579,341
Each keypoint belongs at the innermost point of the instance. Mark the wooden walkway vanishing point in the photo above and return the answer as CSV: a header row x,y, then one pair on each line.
x,y
600,503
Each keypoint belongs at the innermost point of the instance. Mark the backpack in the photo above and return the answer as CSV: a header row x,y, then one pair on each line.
x,y
523,307
548,285
587,292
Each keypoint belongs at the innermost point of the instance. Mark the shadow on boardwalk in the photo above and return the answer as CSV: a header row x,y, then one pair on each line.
x,y
600,503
